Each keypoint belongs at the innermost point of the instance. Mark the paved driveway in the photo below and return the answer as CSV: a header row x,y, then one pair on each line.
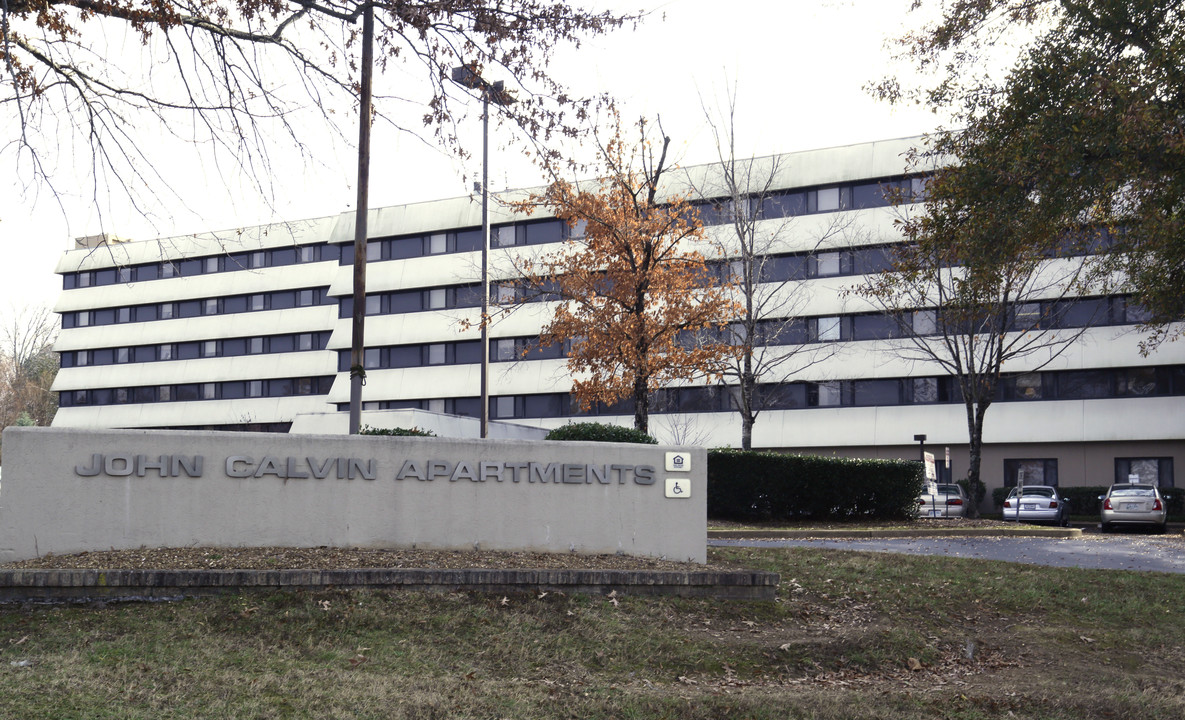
x,y
1112,552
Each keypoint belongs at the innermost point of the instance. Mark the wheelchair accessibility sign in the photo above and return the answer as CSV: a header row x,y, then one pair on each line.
x,y
678,488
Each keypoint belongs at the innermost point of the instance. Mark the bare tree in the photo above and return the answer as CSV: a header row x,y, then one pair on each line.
x,y
244,79
974,300
28,366
744,196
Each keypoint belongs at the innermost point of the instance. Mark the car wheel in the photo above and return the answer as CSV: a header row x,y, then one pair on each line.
x,y
1105,527
1162,528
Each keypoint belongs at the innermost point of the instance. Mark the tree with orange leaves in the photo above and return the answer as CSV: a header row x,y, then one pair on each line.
x,y
634,294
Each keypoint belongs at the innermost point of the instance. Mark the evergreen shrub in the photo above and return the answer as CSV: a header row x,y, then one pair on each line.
x,y
600,432
771,486
396,432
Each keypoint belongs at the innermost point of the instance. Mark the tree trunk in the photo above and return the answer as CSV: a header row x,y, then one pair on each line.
x,y
641,405
747,415
975,413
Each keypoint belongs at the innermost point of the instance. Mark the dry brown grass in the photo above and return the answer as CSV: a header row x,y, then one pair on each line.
x,y
852,635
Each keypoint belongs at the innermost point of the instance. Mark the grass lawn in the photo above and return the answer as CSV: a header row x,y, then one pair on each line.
x,y
853,635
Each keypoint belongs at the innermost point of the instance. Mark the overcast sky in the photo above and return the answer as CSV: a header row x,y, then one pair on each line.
x,y
800,67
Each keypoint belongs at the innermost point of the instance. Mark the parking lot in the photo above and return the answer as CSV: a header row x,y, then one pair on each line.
x,y
1134,551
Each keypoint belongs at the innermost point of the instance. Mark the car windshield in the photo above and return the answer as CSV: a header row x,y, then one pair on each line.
x,y
950,489
1037,491
1132,492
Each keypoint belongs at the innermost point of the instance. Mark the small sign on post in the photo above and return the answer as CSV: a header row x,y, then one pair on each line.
x,y
931,472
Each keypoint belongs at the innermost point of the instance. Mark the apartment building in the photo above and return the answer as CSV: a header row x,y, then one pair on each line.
x,y
250,329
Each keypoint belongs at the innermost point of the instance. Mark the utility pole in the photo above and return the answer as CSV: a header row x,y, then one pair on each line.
x,y
358,336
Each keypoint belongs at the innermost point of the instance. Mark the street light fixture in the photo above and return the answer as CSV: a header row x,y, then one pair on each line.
x,y
468,78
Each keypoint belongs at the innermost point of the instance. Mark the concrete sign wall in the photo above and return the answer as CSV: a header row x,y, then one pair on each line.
x,y
68,490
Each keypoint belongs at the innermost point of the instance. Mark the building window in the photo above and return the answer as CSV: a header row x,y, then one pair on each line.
x,y
925,322
504,406
1027,316
827,264
1028,386
925,390
122,355
1151,471
1030,472
437,243
255,388
828,199
876,392
505,293
828,394
1084,384
372,358
829,329
505,350
210,348
502,236
1142,382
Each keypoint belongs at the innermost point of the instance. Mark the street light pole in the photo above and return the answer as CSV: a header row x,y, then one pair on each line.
x,y
468,78
485,264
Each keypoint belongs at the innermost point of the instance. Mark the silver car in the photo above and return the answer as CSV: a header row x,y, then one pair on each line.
x,y
947,500
1036,504
1133,504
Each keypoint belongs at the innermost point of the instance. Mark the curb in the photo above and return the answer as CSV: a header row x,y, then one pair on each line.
x,y
1057,533
88,585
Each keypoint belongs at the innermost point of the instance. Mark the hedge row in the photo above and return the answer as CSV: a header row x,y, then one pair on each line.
x,y
770,486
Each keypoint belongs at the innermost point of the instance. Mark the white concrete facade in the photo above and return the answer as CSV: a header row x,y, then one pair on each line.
x,y
75,490
276,365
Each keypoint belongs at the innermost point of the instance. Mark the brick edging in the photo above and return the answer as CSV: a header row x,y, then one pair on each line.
x,y
81,585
